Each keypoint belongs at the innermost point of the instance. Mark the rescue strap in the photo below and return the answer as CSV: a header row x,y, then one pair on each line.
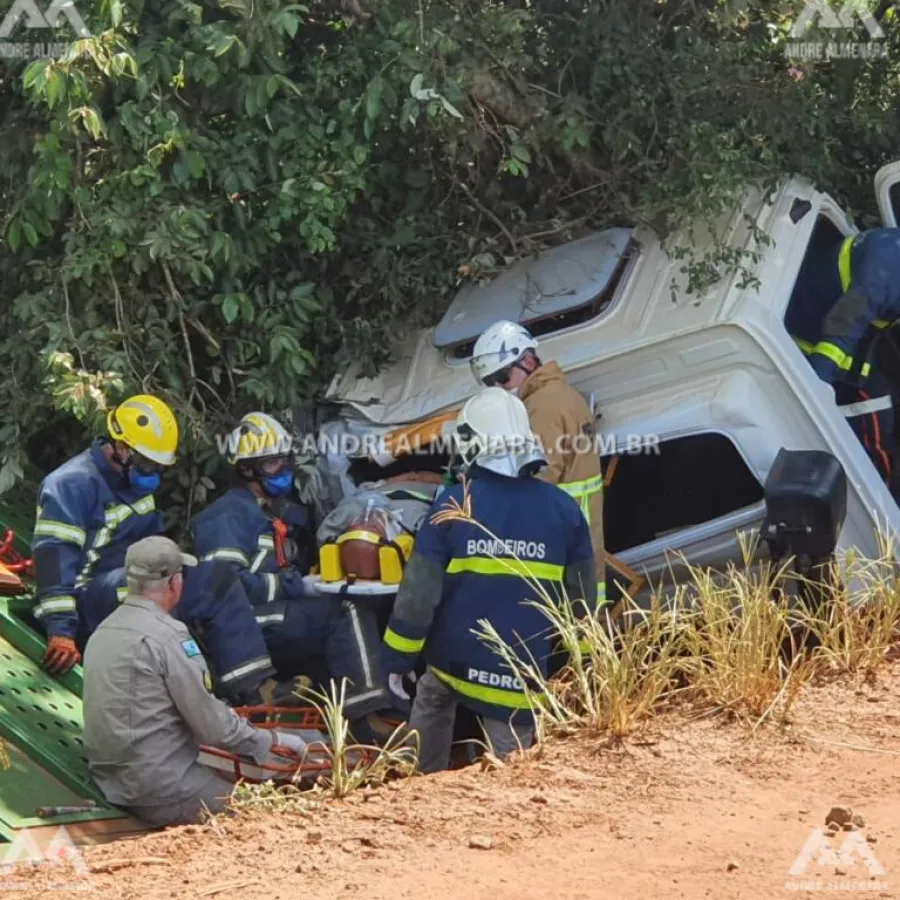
x,y
370,538
279,533
865,407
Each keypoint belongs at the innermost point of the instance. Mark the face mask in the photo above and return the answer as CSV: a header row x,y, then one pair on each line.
x,y
278,485
143,482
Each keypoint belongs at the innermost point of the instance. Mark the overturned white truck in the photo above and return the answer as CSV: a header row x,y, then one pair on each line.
x,y
695,394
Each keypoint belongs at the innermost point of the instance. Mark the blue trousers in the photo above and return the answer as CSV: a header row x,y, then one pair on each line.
x,y
331,637
870,413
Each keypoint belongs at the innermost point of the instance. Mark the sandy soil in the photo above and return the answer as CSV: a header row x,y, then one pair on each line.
x,y
688,808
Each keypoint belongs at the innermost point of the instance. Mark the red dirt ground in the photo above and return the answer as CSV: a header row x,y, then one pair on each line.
x,y
687,809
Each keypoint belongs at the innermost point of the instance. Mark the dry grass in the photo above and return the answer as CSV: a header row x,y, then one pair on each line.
x,y
740,641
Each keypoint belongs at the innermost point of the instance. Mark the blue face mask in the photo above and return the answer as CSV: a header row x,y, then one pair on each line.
x,y
278,485
143,482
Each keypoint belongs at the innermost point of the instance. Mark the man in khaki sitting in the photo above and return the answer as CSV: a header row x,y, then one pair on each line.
x,y
147,705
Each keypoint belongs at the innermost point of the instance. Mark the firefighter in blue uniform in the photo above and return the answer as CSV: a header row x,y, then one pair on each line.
x,y
846,298
90,510
301,628
517,530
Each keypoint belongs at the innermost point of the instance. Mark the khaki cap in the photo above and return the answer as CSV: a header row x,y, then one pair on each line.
x,y
155,558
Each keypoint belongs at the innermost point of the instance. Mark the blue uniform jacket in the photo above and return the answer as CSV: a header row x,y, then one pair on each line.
x,y
238,530
476,578
843,295
87,517
214,606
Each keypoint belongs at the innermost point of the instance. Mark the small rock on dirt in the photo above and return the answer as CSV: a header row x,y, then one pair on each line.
x,y
733,866
314,837
859,821
538,798
872,839
480,842
848,826
839,815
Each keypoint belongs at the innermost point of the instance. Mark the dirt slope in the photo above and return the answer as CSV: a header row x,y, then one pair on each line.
x,y
690,809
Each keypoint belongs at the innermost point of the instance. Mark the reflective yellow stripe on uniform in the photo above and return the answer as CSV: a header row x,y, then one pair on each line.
x,y
62,531
113,517
229,554
844,262
121,594
483,565
582,491
246,669
53,605
401,644
492,695
835,354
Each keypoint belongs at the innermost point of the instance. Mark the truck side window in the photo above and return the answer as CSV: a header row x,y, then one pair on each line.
x,y
692,480
825,236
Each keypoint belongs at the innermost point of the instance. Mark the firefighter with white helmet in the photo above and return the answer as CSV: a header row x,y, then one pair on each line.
x,y
90,510
505,355
517,532
246,528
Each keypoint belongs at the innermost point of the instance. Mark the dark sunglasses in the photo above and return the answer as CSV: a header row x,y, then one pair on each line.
x,y
498,379
144,465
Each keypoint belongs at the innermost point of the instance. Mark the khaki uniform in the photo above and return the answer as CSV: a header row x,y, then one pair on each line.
x,y
146,711
563,422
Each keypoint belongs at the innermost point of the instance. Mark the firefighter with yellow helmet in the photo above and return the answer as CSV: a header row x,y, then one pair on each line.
x,y
90,510
247,528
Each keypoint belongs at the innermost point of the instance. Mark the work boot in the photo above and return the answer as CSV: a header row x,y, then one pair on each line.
x,y
374,729
284,693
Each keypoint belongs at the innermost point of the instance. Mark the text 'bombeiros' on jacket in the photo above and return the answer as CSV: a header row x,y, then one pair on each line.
x,y
520,533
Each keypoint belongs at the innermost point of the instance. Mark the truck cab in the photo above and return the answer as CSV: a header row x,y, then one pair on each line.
x,y
695,392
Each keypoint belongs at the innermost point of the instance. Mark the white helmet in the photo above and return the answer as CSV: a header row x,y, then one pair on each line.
x,y
493,430
258,436
499,346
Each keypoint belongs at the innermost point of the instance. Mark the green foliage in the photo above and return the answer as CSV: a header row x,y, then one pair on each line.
x,y
224,201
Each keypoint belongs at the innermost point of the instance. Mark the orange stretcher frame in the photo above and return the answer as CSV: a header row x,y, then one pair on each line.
x,y
240,768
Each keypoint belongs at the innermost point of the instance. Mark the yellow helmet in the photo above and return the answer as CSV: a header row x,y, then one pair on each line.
x,y
258,436
147,425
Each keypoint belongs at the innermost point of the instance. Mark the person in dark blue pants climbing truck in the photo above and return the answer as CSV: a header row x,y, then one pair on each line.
x,y
846,298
